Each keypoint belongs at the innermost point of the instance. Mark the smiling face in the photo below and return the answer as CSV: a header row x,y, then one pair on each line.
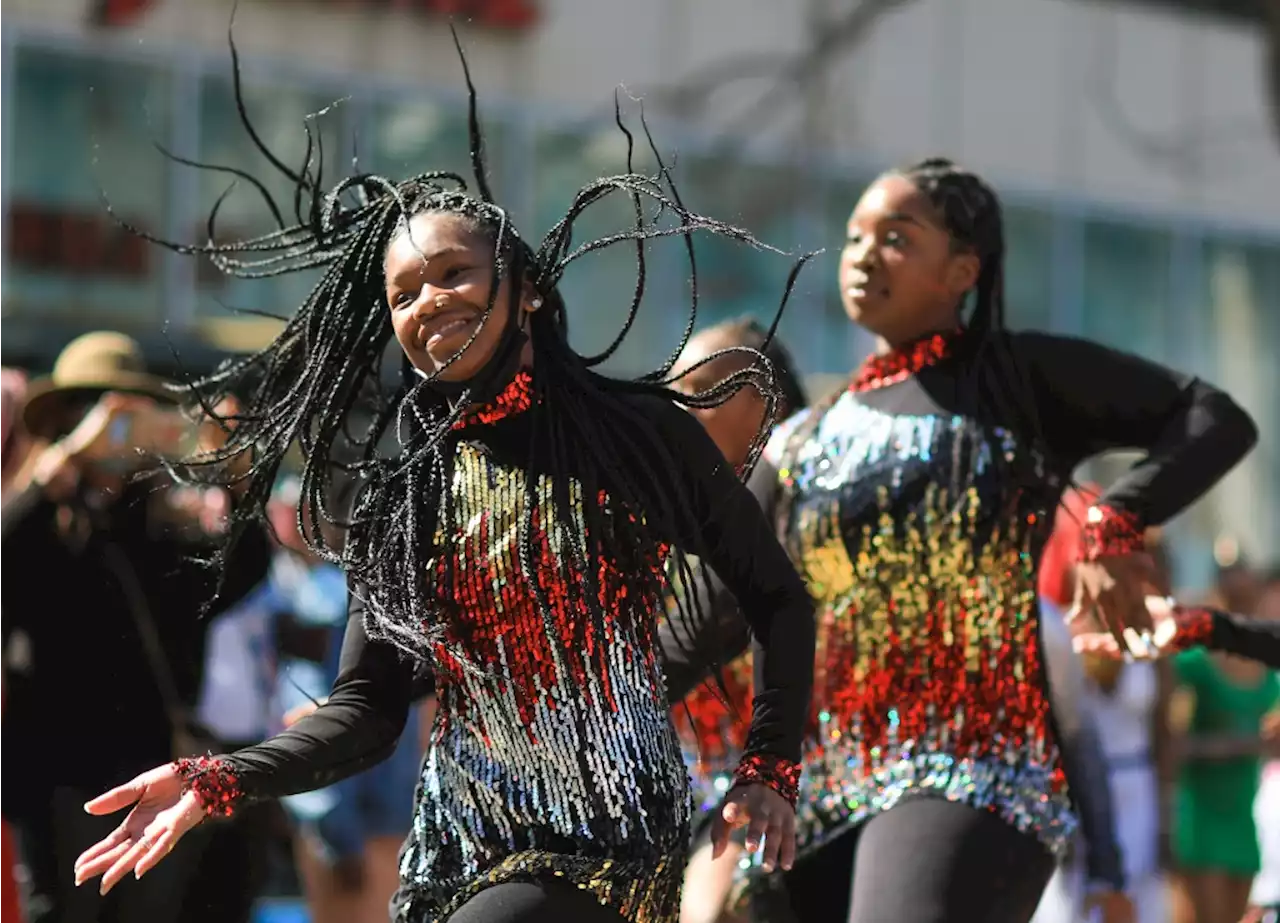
x,y
901,276
438,279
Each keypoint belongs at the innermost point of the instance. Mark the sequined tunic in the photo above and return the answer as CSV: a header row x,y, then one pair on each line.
x,y
899,507
556,761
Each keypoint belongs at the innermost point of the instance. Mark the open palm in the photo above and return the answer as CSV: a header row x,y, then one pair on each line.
x,y
162,813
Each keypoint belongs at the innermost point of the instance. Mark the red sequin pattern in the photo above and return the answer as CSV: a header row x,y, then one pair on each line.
x,y
496,616
900,364
783,776
214,781
1108,532
1195,627
713,724
516,397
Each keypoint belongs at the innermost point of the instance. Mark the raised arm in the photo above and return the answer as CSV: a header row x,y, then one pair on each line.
x,y
1095,399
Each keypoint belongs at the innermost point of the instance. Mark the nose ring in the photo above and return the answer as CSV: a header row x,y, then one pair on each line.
x,y
441,301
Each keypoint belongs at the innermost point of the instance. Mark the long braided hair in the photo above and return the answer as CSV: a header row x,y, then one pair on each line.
x,y
996,383
309,382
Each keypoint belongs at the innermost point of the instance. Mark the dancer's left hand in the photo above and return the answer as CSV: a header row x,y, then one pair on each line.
x,y
767,815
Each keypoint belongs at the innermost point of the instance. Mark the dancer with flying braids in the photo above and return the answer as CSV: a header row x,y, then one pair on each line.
x,y
516,546
915,503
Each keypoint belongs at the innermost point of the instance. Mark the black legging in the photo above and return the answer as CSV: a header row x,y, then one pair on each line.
x,y
925,861
528,902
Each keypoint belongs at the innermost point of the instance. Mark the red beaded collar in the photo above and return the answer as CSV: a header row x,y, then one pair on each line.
x,y
516,397
901,363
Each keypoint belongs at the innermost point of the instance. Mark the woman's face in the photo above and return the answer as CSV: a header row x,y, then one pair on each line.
x,y
900,276
438,290
733,424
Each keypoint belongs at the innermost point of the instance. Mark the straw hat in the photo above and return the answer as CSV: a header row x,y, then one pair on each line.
x,y
90,365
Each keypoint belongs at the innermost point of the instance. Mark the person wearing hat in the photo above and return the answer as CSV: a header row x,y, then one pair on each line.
x,y
108,595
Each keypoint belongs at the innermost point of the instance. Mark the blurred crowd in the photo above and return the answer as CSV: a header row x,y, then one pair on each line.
x,y
109,669
95,529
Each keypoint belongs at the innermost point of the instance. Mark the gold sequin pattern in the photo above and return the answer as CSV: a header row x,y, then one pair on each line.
x,y
928,674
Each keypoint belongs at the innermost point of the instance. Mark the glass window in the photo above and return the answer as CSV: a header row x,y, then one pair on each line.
x,y
83,125
279,114
413,134
1126,286
598,287
1028,234
735,280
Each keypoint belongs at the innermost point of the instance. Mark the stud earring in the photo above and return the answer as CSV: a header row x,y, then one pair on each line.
x,y
536,303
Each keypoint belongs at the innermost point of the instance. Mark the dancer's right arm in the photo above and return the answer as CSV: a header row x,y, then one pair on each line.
x,y
357,727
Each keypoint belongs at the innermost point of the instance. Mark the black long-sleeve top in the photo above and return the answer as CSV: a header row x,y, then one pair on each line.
x,y
557,761
916,504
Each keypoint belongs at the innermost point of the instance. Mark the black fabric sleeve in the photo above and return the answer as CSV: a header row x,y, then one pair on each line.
x,y
687,652
743,552
1257,639
357,727
1094,399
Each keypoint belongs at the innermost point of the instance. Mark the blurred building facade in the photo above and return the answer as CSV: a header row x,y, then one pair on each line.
x,y
1129,138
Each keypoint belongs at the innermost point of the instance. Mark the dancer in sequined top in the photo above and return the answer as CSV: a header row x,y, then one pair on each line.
x,y
515,546
915,504
712,720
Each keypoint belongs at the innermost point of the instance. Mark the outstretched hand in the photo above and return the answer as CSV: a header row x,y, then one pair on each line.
x,y
1159,643
162,813
766,815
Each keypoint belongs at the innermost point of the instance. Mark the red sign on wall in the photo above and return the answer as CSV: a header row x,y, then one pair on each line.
x,y
500,14
117,12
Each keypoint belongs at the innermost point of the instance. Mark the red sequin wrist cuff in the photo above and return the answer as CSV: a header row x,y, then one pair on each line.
x,y
783,776
1195,628
214,781
1108,531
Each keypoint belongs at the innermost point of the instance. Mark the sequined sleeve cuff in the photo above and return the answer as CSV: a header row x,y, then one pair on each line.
x,y
1108,531
783,776
1195,628
214,781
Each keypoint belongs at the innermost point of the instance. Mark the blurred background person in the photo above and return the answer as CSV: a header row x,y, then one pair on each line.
x,y
103,592
713,726
1265,895
1224,715
347,836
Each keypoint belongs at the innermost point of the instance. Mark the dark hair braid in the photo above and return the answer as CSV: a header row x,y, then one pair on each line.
x,y
749,334
971,212
328,361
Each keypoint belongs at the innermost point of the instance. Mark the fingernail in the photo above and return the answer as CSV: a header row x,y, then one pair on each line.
x,y
768,866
